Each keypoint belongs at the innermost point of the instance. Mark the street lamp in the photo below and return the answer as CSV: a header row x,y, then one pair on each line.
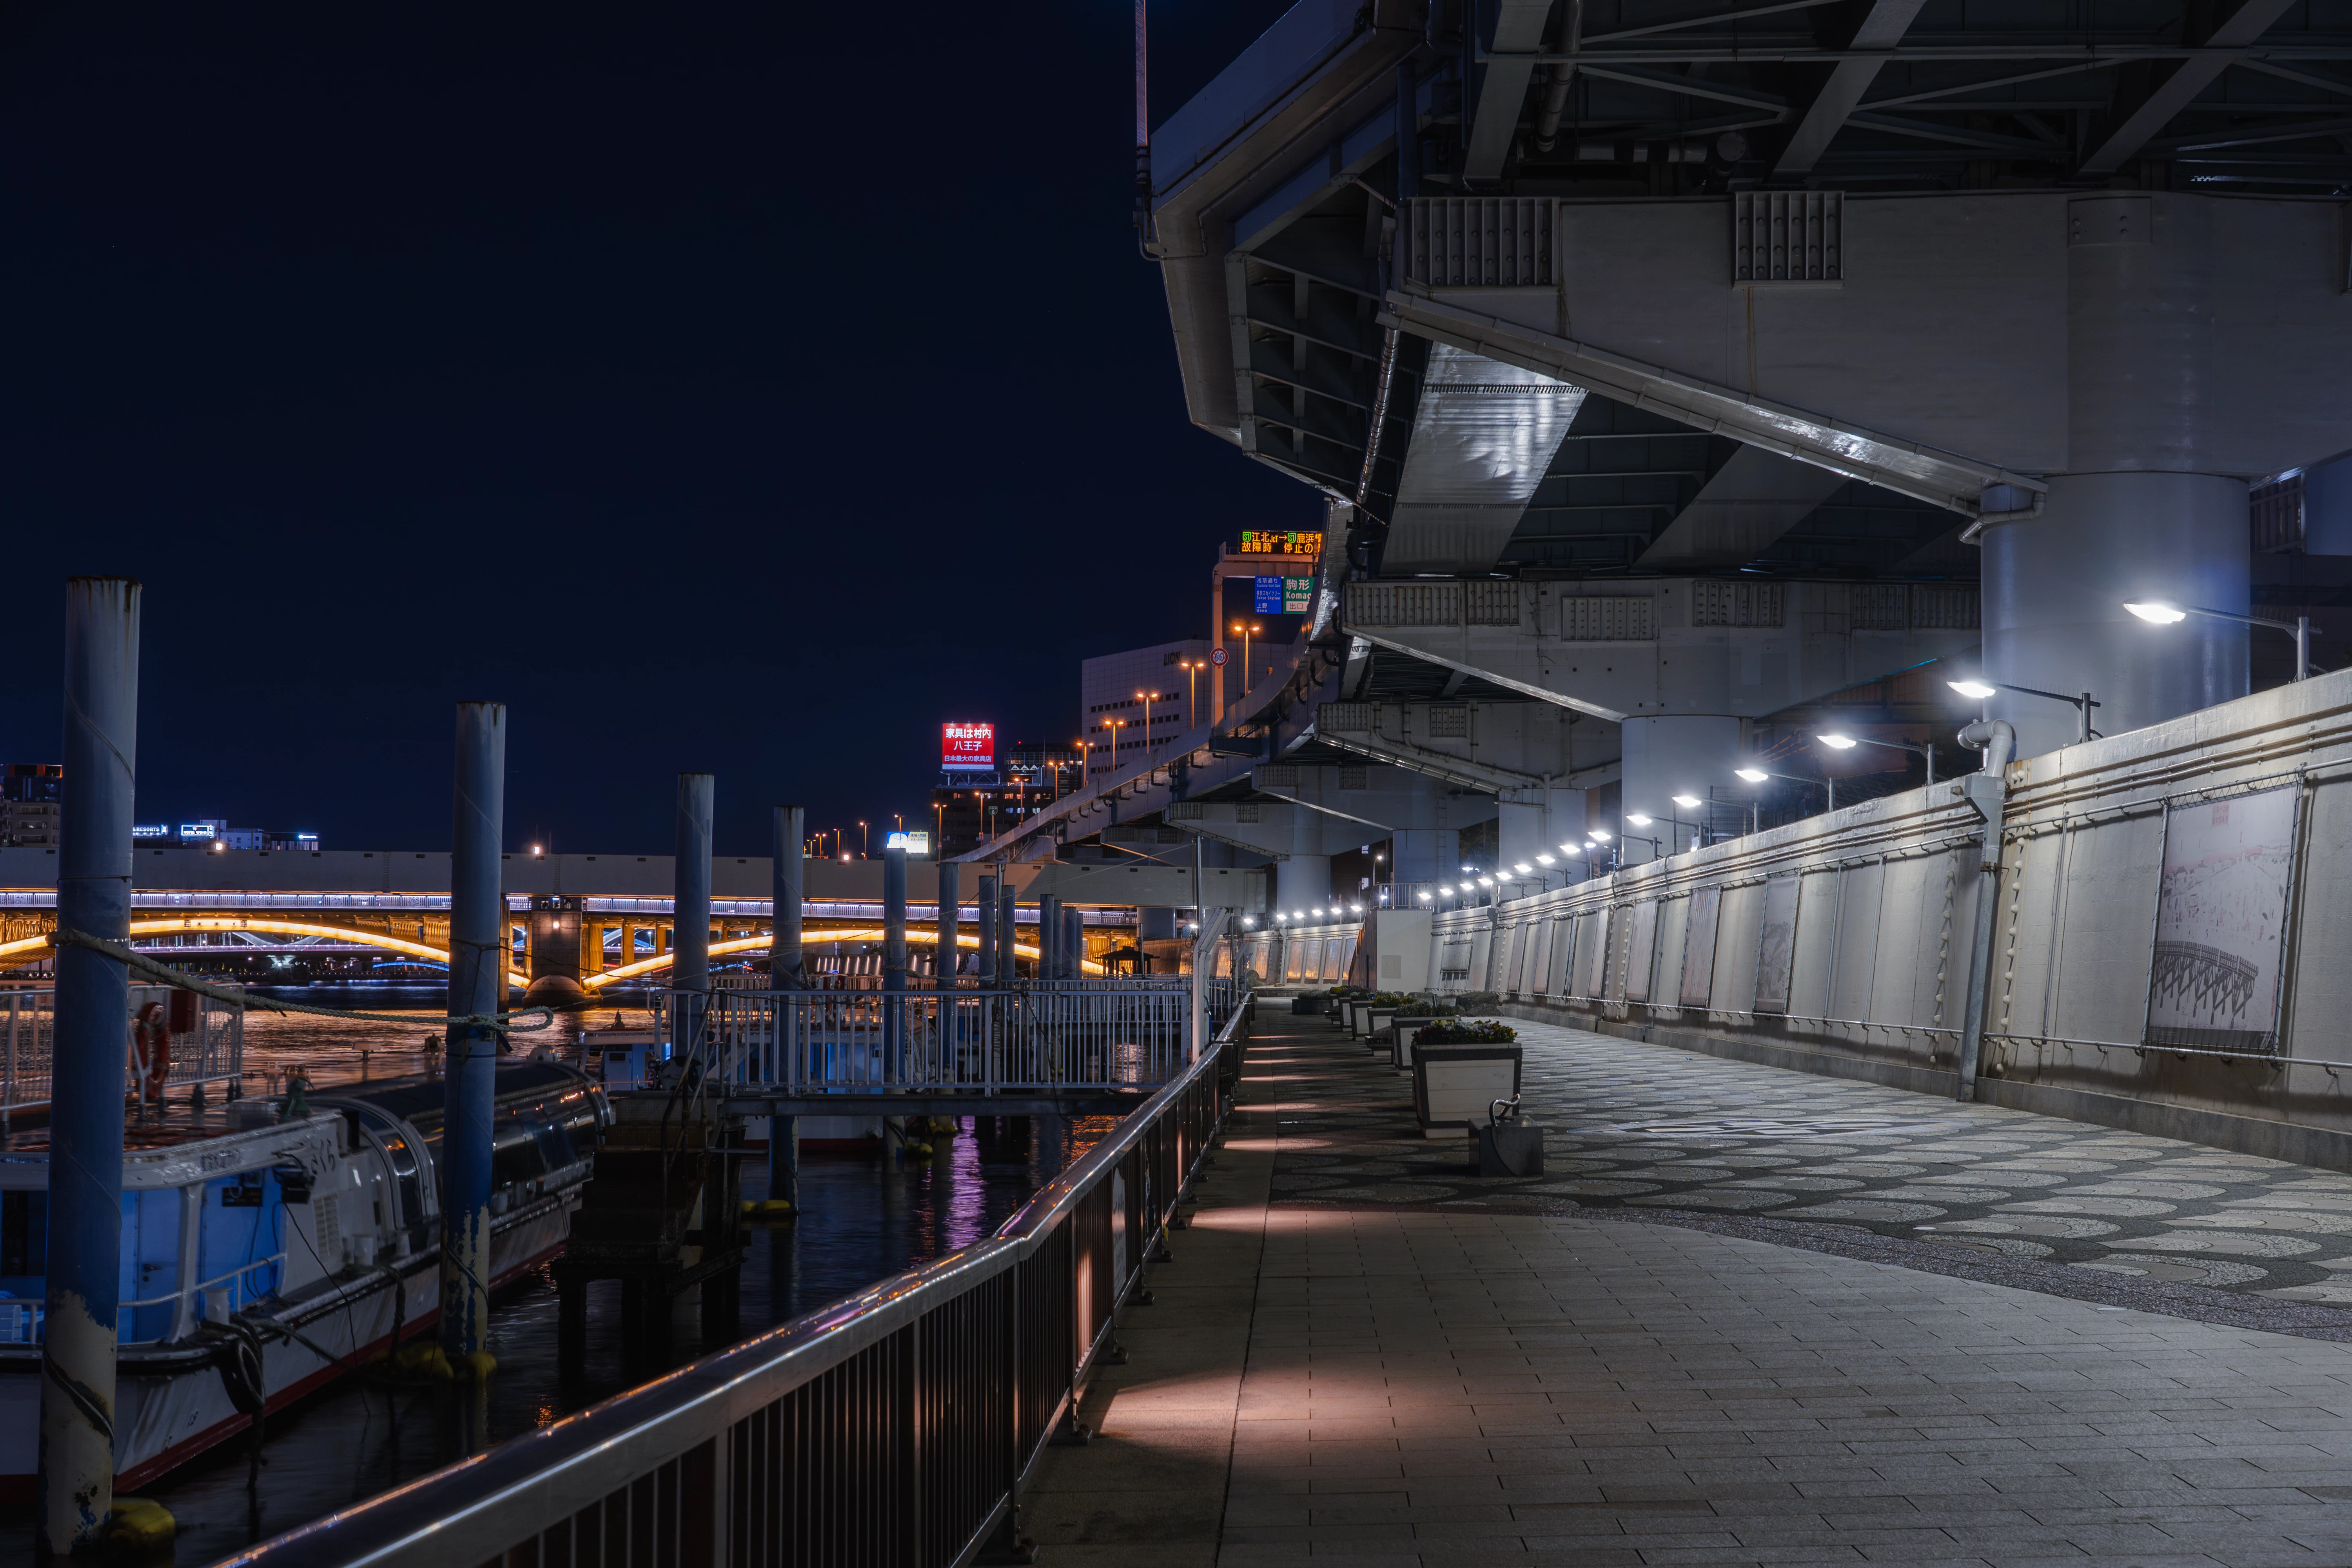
x,y
1844,743
1757,775
2158,613
865,840
1145,698
1248,631
1191,669
1980,690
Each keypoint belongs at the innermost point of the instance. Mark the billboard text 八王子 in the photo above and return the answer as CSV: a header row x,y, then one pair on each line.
x,y
968,746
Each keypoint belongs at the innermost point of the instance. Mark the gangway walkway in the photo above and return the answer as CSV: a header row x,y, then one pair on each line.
x,y
1381,1361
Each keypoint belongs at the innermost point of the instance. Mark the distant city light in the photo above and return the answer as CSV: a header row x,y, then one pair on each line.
x,y
537,850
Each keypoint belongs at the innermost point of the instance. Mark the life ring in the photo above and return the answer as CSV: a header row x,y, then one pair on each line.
x,y
153,1033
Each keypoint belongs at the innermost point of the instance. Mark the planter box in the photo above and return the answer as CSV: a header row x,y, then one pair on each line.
x,y
1455,1086
1360,1018
1401,1036
1376,1019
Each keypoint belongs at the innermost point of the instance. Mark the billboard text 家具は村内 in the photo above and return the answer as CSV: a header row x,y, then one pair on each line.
x,y
972,746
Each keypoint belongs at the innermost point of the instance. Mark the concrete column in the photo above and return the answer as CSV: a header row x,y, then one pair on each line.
x,y
786,962
951,923
1074,943
477,954
986,915
1426,855
1538,822
894,961
93,1001
1302,883
1049,938
2055,590
1666,756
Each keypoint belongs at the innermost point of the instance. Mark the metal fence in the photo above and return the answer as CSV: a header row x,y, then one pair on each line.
x,y
1116,1033
894,1427
213,1052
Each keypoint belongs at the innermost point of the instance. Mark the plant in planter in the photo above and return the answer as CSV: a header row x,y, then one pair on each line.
x,y
1460,1032
1477,1001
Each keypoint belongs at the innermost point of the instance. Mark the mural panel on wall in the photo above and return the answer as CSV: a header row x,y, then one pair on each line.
x,y
1642,950
2220,916
1698,945
1776,949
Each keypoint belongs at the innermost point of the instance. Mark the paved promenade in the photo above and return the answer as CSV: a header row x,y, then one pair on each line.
x,y
1364,1364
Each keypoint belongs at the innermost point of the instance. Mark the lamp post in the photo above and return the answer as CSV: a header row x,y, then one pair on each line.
x,y
1757,775
864,839
1248,631
1980,690
1083,773
2157,612
1114,726
1191,669
1837,741
1149,739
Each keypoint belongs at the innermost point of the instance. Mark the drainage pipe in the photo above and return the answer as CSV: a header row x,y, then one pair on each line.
x,y
1987,790
1555,100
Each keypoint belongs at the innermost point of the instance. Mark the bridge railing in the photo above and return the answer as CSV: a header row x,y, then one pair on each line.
x,y
895,1428
1116,1033
213,1053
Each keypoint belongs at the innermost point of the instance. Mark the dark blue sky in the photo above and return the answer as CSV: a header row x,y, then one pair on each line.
x,y
744,387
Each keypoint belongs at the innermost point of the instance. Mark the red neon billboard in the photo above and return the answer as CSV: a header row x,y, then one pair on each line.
x,y
970,747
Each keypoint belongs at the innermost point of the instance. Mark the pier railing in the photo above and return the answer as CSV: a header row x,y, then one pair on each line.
x,y
1087,1034
894,1427
212,1052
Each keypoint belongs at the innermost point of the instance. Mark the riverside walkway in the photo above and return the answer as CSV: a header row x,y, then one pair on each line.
x,y
1716,1332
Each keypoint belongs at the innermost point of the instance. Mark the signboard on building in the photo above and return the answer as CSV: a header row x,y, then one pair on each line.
x,y
1263,541
1283,595
915,843
969,748
151,830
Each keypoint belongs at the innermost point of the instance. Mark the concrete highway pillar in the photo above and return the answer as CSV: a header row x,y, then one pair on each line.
x,y
2055,590
1049,938
1074,943
951,923
478,985
1302,883
986,915
1537,821
1665,756
786,961
1426,855
93,1003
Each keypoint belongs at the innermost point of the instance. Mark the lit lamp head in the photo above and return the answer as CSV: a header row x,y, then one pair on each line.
x,y
2156,612
1638,818
1977,688
1355,909
1445,888
1753,776
1839,742
1524,870
1425,895
1485,881
1545,859
1687,802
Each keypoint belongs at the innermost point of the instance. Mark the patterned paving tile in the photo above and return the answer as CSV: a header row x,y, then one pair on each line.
x,y
1644,1127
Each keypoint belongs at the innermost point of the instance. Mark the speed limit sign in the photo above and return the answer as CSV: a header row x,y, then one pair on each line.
x,y
1218,658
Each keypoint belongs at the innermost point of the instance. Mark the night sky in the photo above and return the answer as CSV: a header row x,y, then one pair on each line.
x,y
742,389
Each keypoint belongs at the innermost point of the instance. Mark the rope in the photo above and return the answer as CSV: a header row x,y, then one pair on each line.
x,y
162,974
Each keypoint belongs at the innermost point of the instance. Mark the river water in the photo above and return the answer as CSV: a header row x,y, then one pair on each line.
x,y
864,1217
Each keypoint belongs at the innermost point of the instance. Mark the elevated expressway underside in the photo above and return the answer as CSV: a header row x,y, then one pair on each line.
x,y
1673,371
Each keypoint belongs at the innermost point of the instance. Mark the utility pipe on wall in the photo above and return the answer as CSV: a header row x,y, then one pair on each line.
x,y
1997,741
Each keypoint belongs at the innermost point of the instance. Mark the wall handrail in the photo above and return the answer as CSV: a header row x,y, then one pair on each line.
x,y
704,1436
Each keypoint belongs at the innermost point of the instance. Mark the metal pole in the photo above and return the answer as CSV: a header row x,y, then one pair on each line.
x,y
478,975
87,1029
689,969
787,970
2086,716
2301,646
986,899
894,959
951,923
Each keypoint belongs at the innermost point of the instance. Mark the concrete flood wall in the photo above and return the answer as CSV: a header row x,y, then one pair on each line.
x,y
2172,949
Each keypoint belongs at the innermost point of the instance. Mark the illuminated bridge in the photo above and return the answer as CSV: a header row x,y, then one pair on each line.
x,y
601,919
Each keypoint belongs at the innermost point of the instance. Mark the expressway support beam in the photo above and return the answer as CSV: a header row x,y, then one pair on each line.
x,y
93,999
478,986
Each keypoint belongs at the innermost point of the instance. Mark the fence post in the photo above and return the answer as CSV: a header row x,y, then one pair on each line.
x,y
92,1007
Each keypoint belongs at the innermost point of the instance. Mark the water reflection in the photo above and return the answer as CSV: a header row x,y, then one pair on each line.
x,y
863,1218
